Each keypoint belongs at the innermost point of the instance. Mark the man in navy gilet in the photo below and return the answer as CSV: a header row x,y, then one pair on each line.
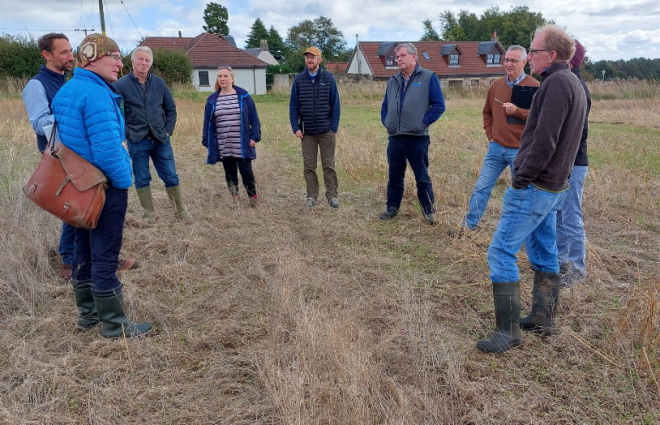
x,y
37,96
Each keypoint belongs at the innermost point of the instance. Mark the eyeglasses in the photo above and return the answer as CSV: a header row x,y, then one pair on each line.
x,y
513,61
531,52
114,56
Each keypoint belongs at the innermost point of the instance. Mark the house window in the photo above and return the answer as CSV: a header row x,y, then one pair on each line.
x,y
204,78
455,83
474,82
453,60
493,59
426,56
390,61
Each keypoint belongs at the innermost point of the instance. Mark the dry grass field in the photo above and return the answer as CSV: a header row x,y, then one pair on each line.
x,y
279,315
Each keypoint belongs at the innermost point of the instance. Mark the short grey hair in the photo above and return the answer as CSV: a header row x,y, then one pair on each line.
x,y
523,51
145,49
412,50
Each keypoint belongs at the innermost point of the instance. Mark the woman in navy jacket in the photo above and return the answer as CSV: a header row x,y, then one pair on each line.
x,y
231,132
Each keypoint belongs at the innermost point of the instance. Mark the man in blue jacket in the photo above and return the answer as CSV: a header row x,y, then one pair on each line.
x,y
314,114
413,101
37,97
90,122
150,118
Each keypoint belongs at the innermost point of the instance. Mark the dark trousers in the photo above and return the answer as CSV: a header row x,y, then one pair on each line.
x,y
414,150
67,239
232,167
96,254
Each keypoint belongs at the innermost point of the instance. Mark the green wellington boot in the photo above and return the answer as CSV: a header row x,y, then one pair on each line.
x,y
175,196
545,300
82,291
110,308
144,194
507,314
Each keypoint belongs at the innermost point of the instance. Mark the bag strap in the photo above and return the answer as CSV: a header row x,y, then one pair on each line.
x,y
51,139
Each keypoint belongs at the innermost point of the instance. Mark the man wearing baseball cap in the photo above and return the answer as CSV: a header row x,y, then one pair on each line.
x,y
89,117
314,114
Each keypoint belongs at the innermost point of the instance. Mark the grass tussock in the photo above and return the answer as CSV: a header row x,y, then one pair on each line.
x,y
279,315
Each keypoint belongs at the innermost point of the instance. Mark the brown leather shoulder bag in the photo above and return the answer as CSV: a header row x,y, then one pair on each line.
x,y
67,186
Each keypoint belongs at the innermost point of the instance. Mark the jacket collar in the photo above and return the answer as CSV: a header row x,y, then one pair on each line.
x,y
43,69
555,67
85,74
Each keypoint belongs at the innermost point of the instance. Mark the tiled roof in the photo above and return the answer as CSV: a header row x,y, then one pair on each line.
x,y
384,47
471,63
253,52
484,47
336,66
207,51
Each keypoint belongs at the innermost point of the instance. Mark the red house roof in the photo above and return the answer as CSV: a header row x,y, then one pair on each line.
x,y
336,67
206,51
473,57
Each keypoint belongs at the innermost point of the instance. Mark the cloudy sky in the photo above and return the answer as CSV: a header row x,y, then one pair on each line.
x,y
608,29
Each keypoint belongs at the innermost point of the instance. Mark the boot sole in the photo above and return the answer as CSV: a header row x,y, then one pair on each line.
x,y
499,349
538,330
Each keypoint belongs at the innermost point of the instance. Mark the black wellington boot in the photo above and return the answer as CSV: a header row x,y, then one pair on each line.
x,y
82,291
110,307
545,300
507,314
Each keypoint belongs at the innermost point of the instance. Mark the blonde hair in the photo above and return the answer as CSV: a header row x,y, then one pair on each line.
x,y
231,72
557,40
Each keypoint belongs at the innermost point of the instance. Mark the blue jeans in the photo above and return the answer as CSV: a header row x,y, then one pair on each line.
x,y
97,250
414,149
571,239
496,160
162,156
528,216
67,239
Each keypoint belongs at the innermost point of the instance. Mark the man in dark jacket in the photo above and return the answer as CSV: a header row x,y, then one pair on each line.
x,y
548,147
314,114
150,118
571,238
413,101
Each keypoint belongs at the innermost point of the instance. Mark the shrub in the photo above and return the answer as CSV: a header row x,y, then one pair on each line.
x,y
19,56
171,66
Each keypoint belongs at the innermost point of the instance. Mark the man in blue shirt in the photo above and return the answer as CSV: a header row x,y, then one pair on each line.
x,y
314,114
413,101
37,97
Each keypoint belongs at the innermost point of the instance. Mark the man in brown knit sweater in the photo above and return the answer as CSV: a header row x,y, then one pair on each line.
x,y
503,137
544,162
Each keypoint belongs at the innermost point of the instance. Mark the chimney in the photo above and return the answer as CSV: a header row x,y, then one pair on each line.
x,y
179,33
263,45
494,37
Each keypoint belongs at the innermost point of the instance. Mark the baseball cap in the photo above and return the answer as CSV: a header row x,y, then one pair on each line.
x,y
93,47
314,51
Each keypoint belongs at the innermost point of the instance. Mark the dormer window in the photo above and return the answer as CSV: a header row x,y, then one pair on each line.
x,y
491,53
389,61
451,53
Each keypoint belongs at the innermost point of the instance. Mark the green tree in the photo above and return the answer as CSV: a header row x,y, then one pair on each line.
x,y
513,27
320,33
19,56
216,17
430,34
173,66
276,44
257,33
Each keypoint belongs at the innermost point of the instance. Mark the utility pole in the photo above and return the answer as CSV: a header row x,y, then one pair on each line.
x,y
85,30
102,18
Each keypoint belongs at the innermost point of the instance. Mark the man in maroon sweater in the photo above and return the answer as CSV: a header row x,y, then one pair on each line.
x,y
503,137
548,147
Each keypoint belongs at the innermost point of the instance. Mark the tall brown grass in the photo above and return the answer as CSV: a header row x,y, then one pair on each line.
x,y
280,315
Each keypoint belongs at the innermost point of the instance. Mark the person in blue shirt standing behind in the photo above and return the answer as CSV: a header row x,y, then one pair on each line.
x,y
413,101
37,97
314,110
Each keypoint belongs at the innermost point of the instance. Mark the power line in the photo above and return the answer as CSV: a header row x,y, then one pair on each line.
x,y
107,11
129,15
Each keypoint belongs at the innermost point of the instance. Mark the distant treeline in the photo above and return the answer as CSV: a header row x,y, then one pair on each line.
x,y
640,68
